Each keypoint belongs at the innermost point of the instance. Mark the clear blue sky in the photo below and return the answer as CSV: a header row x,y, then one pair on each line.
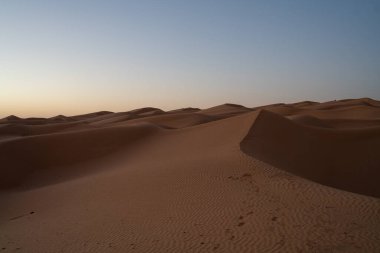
x,y
68,57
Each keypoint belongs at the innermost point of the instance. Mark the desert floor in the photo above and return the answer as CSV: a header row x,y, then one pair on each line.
x,y
300,177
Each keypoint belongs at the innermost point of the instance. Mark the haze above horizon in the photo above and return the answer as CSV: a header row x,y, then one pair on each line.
x,y
72,57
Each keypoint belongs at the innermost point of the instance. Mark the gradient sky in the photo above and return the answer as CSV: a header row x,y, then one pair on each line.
x,y
69,57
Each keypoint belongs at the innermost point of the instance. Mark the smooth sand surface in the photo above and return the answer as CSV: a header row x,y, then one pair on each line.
x,y
280,178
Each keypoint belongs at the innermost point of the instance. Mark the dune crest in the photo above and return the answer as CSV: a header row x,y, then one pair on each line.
x,y
345,159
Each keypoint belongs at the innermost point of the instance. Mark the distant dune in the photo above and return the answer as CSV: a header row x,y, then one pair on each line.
x,y
299,177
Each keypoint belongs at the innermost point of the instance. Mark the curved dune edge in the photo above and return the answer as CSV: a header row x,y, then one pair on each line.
x,y
344,159
20,157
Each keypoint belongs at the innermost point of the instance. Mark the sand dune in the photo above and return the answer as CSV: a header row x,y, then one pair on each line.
x,y
343,103
20,157
10,118
353,123
225,110
188,109
298,177
345,159
309,121
25,130
91,115
178,120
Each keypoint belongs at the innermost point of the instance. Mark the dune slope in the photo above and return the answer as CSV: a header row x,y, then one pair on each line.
x,y
20,157
345,159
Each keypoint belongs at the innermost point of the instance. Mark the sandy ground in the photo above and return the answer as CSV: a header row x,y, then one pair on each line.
x,y
280,178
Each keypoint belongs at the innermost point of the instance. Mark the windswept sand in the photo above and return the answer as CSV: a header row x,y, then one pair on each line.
x,y
280,178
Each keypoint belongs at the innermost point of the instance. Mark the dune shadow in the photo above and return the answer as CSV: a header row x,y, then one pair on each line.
x,y
347,159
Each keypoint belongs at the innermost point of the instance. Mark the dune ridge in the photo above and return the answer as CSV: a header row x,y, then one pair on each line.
x,y
345,159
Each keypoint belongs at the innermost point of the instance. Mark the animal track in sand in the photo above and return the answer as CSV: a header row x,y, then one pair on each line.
x,y
20,216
